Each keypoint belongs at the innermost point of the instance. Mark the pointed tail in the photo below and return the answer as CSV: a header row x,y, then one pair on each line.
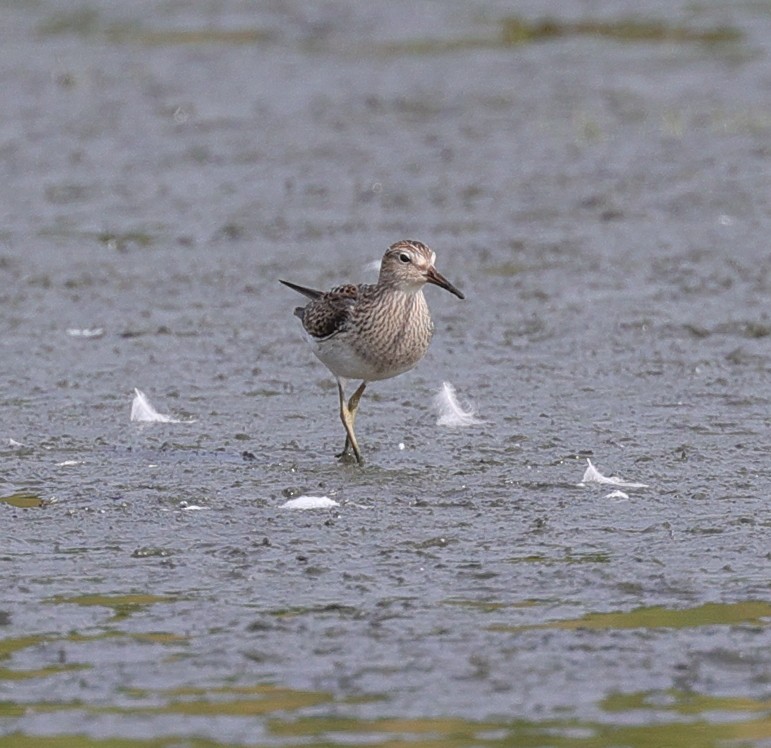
x,y
309,292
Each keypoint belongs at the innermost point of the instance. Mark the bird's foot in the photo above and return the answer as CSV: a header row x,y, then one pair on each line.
x,y
350,456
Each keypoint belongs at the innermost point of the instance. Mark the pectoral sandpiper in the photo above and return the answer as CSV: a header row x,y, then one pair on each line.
x,y
373,331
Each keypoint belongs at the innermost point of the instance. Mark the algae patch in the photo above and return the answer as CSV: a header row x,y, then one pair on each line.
x,y
516,30
23,500
122,605
750,612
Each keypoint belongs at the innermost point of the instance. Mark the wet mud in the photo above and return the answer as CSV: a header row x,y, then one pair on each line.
x,y
596,184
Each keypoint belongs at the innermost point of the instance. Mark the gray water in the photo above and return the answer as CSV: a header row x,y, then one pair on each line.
x,y
599,189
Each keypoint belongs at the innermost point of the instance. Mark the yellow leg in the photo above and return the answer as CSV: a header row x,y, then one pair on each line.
x,y
348,417
353,403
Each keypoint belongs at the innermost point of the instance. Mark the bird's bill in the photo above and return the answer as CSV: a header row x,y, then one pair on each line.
x,y
435,277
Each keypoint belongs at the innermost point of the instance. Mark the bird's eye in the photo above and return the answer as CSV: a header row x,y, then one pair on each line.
x,y
404,257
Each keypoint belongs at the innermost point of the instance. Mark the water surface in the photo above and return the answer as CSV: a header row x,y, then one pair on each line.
x,y
596,184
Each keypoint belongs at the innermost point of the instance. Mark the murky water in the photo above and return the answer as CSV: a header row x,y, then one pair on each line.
x,y
598,188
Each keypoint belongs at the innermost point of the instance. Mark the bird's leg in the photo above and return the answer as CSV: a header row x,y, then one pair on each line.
x,y
348,416
353,405
341,395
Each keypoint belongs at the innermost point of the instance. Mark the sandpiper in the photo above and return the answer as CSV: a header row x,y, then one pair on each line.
x,y
373,331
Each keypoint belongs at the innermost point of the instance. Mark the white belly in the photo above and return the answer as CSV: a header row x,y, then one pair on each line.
x,y
344,361
380,343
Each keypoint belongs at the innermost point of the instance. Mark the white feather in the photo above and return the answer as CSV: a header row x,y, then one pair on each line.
x,y
93,332
451,412
592,475
142,410
309,502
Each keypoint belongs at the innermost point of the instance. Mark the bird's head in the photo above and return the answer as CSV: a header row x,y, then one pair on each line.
x,y
409,265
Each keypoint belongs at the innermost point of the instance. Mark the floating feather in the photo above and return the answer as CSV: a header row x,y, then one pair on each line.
x,y
451,412
592,475
94,332
309,502
142,410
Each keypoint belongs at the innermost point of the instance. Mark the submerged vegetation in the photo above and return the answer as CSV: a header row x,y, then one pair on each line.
x,y
512,31
515,30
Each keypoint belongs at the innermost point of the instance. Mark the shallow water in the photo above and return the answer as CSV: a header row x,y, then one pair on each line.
x,y
599,191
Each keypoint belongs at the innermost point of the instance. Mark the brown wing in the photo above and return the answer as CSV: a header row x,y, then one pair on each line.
x,y
330,312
